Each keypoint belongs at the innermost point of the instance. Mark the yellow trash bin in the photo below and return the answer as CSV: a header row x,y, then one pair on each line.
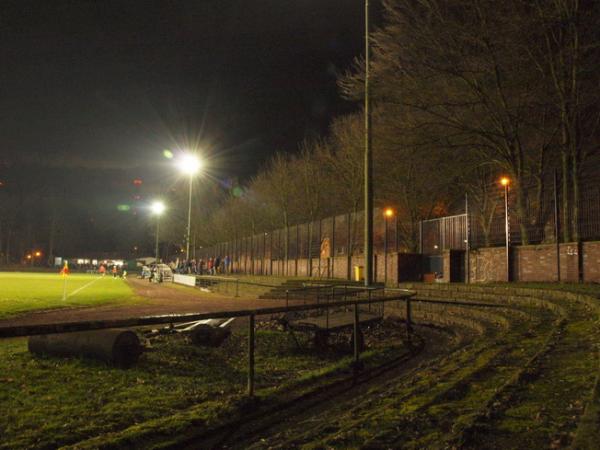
x,y
359,273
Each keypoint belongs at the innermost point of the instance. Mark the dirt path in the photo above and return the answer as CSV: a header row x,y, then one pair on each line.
x,y
159,299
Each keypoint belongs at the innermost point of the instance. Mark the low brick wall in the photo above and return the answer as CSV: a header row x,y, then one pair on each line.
x,y
537,263
591,261
530,263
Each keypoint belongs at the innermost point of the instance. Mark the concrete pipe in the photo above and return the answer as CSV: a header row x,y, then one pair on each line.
x,y
120,348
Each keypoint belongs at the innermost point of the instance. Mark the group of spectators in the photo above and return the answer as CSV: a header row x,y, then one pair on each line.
x,y
211,266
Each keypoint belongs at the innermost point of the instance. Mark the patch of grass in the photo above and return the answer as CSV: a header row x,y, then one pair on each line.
x,y
50,402
23,292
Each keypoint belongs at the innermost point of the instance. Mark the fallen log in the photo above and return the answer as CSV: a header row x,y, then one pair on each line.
x,y
120,348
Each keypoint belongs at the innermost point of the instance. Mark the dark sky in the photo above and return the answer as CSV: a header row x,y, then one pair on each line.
x,y
116,82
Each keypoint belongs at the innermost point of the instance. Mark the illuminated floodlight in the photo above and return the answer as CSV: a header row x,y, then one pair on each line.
x,y
388,212
504,181
189,164
158,208
38,253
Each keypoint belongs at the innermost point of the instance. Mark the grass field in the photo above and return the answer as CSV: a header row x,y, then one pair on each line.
x,y
50,402
23,292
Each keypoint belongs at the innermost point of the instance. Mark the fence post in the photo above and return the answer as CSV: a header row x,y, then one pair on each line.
x,y
420,237
408,319
356,362
297,246
251,355
332,248
556,225
348,248
319,248
468,239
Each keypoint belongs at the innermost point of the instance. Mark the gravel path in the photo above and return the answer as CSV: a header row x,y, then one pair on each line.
x,y
159,299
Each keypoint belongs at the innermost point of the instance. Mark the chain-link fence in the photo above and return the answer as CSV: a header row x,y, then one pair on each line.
x,y
536,213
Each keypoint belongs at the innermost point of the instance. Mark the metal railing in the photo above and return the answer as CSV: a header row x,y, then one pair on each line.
x,y
70,327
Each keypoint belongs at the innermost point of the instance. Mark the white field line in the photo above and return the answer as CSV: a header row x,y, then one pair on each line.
x,y
83,287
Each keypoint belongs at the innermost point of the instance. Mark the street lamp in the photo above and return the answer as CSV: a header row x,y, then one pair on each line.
x,y
189,164
368,162
388,213
505,181
157,209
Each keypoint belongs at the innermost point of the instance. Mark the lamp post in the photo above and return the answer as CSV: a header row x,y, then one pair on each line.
x,y
157,209
505,181
368,175
189,164
387,214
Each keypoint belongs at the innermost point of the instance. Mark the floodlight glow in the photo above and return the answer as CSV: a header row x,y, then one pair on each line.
x,y
388,212
38,253
189,164
157,208
504,181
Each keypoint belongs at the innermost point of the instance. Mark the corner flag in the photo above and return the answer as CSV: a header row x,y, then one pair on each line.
x,y
65,270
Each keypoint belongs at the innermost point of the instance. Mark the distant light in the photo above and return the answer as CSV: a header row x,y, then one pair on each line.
x,y
123,207
189,164
38,253
504,181
157,208
388,212
137,182
435,246
2,184
28,256
168,154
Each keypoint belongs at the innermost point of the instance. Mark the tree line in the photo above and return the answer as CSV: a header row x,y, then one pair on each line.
x,y
464,91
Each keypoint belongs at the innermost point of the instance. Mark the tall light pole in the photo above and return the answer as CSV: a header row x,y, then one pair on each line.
x,y
387,214
189,164
157,209
368,176
505,181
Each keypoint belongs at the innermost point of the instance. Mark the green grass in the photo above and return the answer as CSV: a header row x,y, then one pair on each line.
x,y
24,292
50,402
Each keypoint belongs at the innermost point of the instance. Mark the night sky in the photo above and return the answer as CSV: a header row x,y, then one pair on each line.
x,y
113,83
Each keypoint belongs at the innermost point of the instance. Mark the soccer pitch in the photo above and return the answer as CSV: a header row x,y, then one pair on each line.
x,y
22,292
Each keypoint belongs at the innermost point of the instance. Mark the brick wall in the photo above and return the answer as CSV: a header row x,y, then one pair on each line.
x,y
591,261
487,265
529,263
534,263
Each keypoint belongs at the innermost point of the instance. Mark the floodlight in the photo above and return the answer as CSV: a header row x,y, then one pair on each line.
x,y
388,212
157,208
189,164
504,181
